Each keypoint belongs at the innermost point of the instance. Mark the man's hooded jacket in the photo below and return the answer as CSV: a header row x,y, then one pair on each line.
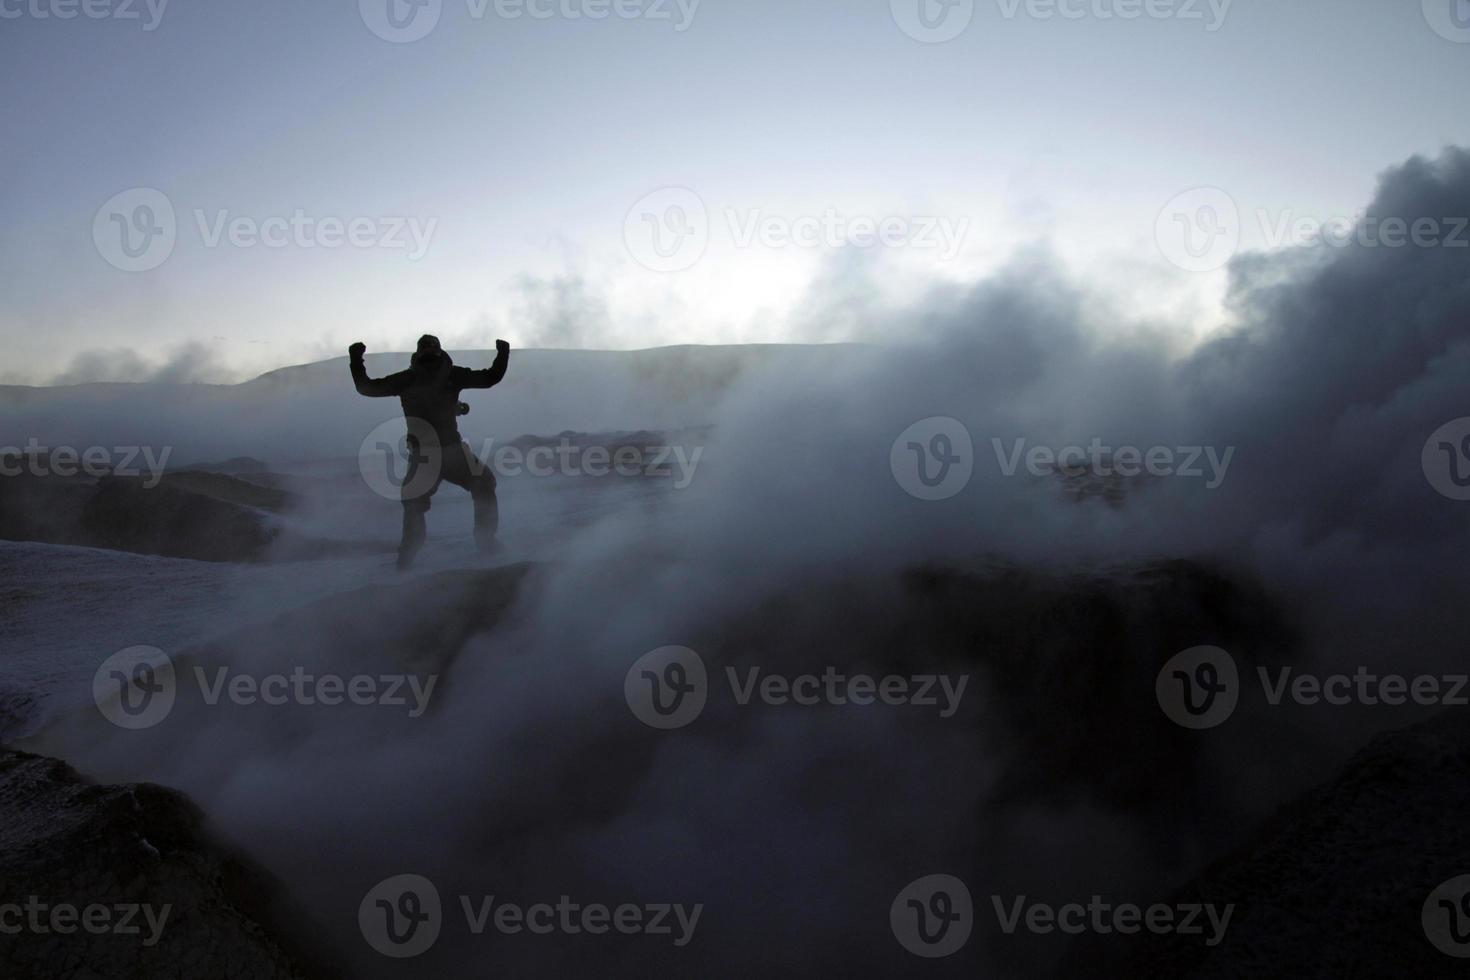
x,y
429,389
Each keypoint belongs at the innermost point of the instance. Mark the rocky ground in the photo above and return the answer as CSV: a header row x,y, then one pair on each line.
x,y
1335,884
1061,716
194,513
67,842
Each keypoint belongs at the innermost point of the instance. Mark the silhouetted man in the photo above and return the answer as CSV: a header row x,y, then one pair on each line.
x,y
429,393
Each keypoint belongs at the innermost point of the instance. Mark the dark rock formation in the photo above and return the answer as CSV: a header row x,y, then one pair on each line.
x,y
125,515
243,491
193,514
67,842
1334,885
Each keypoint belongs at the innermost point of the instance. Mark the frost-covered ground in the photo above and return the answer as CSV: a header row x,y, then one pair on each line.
x,y
66,609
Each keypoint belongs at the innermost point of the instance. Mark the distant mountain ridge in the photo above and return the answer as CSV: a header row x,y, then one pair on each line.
x,y
311,410
723,355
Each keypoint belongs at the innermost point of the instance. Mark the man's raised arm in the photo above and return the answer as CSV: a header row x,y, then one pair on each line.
x,y
491,376
373,387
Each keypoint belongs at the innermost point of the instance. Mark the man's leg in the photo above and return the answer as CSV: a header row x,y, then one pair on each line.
x,y
487,511
415,508
415,529
465,469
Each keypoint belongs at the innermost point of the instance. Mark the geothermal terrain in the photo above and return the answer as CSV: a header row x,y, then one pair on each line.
x,y
1041,606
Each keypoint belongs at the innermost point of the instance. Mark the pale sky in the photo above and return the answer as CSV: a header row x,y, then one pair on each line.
x,y
506,175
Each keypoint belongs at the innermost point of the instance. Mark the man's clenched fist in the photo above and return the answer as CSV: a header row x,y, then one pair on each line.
x,y
501,345
357,350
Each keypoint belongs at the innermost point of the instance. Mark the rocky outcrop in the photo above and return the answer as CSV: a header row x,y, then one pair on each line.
x,y
1335,884
141,859
194,514
126,515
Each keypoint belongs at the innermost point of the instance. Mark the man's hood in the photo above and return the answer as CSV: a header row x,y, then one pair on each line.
x,y
441,362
